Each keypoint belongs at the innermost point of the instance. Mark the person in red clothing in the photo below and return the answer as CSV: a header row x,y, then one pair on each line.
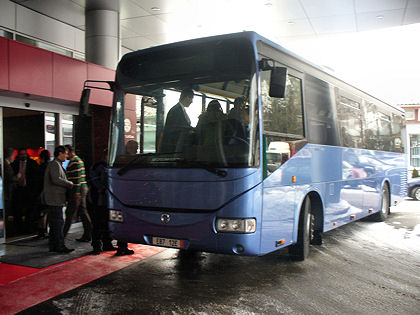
x,y
77,203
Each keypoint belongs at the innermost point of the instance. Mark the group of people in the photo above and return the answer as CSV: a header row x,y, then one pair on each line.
x,y
43,190
177,129
23,180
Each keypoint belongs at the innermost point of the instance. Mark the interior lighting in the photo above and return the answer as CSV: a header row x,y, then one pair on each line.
x,y
379,17
155,9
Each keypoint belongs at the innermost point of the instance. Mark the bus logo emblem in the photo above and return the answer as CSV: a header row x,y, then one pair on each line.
x,y
165,218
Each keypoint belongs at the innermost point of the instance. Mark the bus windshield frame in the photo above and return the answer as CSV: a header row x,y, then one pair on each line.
x,y
222,73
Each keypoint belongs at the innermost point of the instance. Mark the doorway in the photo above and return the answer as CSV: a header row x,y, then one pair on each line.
x,y
23,129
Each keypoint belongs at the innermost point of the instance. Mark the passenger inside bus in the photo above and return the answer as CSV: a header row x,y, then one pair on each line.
x,y
238,106
213,114
209,133
178,125
131,147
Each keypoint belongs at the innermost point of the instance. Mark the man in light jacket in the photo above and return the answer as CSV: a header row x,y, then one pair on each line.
x,y
54,196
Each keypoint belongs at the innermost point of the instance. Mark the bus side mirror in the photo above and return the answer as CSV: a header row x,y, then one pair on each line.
x,y
84,103
278,82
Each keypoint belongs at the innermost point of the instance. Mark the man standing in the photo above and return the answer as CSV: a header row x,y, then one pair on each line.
x,y
54,196
177,125
26,191
77,204
10,180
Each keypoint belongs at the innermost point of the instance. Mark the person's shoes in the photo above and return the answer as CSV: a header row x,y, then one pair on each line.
x,y
65,250
124,251
109,248
83,239
96,251
40,236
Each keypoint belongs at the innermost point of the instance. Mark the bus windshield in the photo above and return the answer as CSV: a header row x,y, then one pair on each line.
x,y
195,107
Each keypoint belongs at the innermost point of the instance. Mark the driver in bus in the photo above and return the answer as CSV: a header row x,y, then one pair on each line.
x,y
178,124
131,147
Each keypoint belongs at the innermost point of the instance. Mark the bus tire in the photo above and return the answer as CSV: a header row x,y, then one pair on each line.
x,y
383,214
300,250
416,193
317,237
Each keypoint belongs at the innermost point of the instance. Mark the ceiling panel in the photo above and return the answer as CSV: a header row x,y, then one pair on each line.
x,y
412,16
324,8
379,5
413,3
291,27
334,24
126,33
164,21
285,10
379,19
164,6
135,43
146,25
131,10
63,10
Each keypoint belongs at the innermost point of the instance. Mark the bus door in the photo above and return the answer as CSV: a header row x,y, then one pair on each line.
x,y
282,125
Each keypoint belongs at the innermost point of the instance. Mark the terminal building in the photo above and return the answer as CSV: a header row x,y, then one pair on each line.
x,y
413,129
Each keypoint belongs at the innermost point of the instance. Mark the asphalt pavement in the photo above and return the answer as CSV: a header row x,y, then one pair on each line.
x,y
362,268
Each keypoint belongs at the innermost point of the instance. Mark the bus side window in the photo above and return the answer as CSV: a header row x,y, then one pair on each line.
x,y
350,121
320,112
282,120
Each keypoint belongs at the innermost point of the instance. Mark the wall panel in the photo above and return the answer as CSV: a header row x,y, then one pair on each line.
x,y
7,14
30,69
39,26
68,77
4,63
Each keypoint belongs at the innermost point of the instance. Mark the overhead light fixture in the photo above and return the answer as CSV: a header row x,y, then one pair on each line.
x,y
268,4
379,17
290,22
155,9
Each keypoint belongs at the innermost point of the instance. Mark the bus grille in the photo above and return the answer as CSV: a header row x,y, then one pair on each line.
x,y
403,190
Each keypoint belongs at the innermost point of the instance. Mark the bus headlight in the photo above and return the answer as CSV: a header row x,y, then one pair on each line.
x,y
236,225
116,216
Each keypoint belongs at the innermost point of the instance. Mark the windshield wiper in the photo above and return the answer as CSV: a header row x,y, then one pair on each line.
x,y
132,162
207,167
160,158
214,170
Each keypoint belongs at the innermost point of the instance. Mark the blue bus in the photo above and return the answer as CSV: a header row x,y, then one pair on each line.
x,y
265,151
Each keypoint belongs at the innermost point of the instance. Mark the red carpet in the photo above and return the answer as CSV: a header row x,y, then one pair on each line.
x,y
26,287
9,273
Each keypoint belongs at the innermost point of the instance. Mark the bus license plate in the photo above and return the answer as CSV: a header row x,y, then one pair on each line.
x,y
167,242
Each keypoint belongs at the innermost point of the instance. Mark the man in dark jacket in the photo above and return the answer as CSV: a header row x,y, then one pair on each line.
x,y
56,185
26,190
10,181
177,125
101,236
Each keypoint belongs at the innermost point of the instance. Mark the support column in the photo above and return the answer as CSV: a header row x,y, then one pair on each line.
x,y
103,46
102,37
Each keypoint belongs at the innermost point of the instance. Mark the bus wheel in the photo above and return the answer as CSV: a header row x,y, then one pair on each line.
x,y
300,250
316,235
385,203
416,193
